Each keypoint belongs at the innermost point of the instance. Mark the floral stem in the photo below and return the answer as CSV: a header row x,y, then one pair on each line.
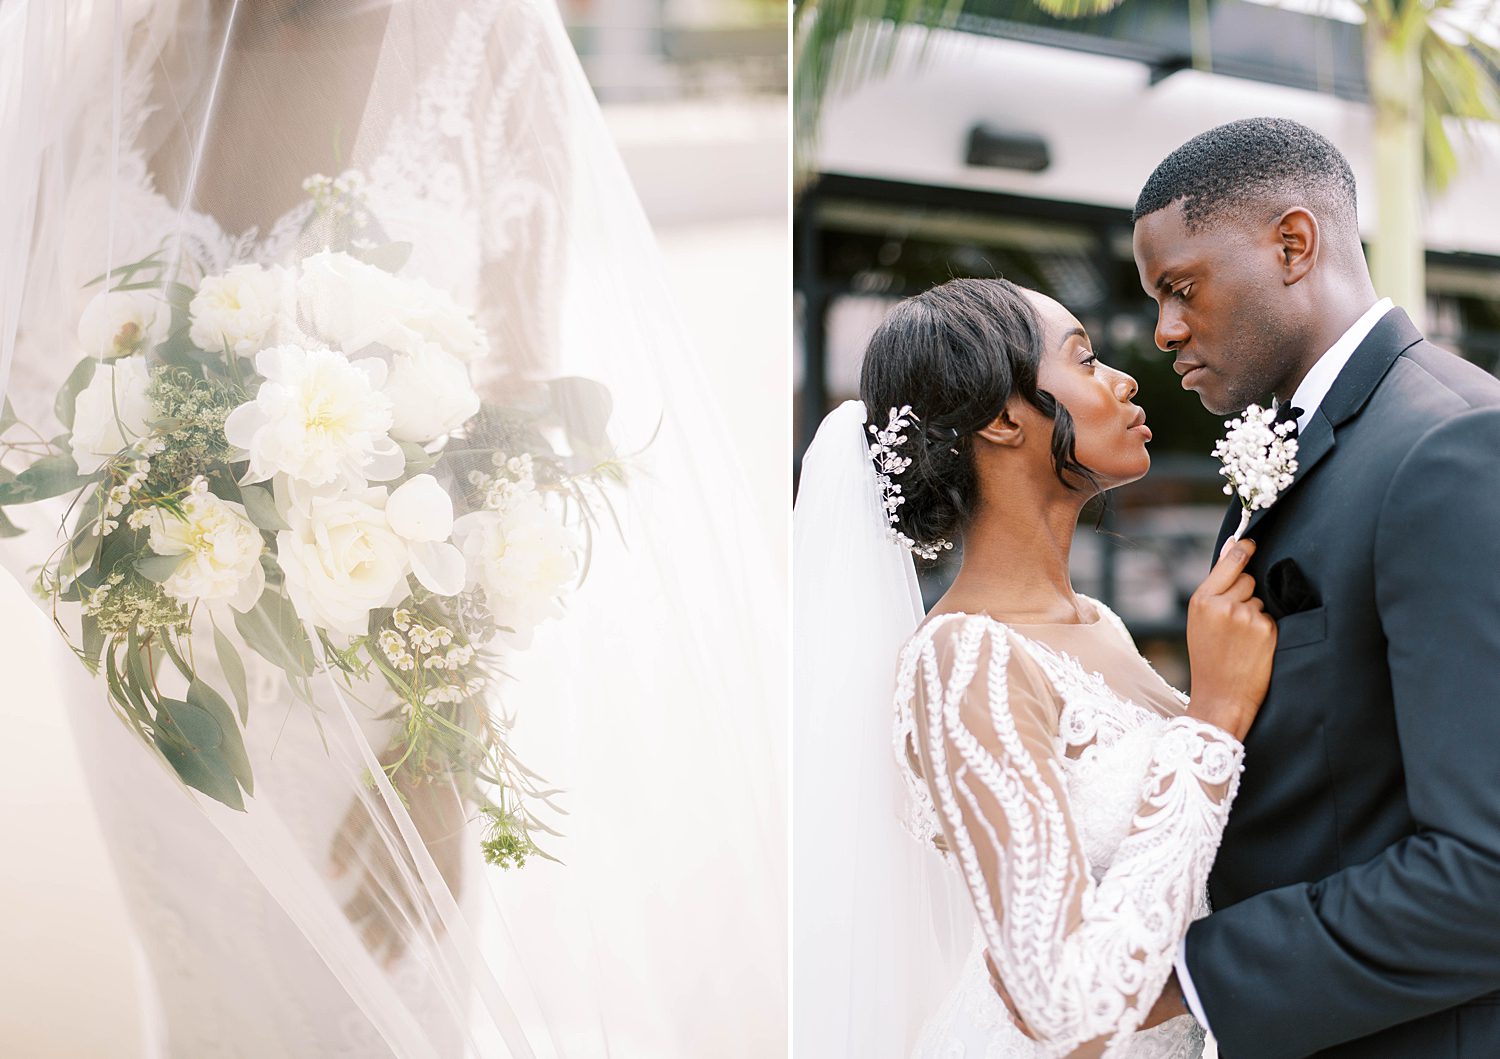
x,y
1244,524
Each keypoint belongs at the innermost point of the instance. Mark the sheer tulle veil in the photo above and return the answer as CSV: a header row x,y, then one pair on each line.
x,y
460,143
881,925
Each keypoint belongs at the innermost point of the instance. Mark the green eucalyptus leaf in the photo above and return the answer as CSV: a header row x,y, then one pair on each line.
x,y
93,642
48,477
159,567
7,417
9,528
584,407
204,770
418,459
234,672
261,507
232,745
179,295
80,554
273,631
191,723
77,381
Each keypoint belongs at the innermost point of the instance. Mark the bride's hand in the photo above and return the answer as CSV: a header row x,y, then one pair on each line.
x,y
1231,641
383,908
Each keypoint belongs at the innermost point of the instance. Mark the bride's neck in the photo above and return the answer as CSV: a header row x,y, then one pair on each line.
x,y
1015,563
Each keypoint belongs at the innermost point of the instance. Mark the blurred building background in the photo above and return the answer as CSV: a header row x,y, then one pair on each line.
x,y
1014,144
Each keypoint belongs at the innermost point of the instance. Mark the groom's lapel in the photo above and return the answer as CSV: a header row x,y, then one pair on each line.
x,y
1393,335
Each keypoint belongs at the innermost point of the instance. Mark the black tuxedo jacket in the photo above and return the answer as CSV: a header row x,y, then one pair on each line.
x,y
1356,893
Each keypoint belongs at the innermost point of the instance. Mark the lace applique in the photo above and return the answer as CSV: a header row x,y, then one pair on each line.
x,y
973,1024
1084,873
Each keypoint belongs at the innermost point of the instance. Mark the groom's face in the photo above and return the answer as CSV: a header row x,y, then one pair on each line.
x,y
1220,302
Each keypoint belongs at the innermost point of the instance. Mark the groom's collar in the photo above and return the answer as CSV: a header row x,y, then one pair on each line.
x,y
1320,378
1392,335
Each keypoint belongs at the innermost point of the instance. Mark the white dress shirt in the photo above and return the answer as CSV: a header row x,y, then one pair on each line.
x,y
1319,380
1310,393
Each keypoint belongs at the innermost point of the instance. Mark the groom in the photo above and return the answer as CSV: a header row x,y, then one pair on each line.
x,y
1357,890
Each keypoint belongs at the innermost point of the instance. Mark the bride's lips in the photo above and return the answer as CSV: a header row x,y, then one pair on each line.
x,y
1138,424
1189,370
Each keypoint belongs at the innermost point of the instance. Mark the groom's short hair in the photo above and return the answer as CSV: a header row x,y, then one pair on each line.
x,y
1252,168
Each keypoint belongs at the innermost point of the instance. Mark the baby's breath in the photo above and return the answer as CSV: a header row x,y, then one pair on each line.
x,y
1260,459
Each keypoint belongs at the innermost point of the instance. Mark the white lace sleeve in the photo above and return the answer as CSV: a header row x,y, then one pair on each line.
x,y
1082,960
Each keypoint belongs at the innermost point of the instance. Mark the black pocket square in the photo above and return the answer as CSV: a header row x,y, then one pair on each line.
x,y
1288,591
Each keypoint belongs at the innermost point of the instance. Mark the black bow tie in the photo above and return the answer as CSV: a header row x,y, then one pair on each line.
x,y
1288,413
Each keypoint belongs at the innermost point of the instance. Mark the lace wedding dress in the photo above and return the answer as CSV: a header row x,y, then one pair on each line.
x,y
1083,811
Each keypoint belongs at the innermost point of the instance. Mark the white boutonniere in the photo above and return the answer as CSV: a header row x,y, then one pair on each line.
x,y
1259,460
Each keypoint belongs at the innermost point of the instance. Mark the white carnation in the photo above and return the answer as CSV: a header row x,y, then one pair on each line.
x,y
121,322
351,304
237,310
111,412
430,394
342,559
222,551
318,418
523,556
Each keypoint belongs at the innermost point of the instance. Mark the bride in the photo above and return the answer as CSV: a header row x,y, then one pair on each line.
x,y
1077,796
421,192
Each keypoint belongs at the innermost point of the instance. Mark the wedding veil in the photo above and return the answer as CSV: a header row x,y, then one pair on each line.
x,y
880,924
153,148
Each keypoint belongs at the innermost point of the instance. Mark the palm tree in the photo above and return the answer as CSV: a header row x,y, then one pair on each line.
x,y
1425,60
1422,66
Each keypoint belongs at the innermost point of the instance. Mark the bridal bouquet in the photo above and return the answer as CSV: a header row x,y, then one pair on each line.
x,y
296,462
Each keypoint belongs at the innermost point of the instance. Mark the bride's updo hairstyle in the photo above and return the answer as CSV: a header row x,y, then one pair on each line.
x,y
957,353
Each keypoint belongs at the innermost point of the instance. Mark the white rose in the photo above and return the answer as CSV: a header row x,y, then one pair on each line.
x,y
430,394
237,310
420,512
222,549
111,413
524,558
342,559
121,322
318,418
351,304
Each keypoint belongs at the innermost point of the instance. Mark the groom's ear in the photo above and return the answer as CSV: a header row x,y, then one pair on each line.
x,y
1297,232
1003,430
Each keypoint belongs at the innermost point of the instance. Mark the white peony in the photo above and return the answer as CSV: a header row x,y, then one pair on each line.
x,y
351,304
118,323
433,316
111,413
222,549
430,394
348,303
319,418
523,556
237,310
342,559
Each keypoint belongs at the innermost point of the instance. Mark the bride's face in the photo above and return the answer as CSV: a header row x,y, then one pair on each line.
x,y
1110,432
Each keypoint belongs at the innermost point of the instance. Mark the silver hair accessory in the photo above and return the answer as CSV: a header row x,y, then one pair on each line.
x,y
888,464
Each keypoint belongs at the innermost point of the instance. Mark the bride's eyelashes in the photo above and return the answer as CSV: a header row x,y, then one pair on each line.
x,y
1090,360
